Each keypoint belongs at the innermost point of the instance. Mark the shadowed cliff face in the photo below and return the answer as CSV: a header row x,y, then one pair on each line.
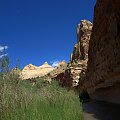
x,y
103,74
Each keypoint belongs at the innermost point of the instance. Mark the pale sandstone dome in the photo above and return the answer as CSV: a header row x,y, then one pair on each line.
x,y
31,71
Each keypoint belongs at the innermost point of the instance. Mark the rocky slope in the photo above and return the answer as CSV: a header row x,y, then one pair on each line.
x,y
30,71
58,69
78,59
103,74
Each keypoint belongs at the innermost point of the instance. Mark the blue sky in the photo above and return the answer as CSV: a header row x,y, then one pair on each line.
x,y
36,31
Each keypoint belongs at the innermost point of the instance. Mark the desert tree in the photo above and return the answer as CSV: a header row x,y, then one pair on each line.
x,y
4,61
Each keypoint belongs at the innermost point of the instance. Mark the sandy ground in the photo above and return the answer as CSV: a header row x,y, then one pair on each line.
x,y
95,110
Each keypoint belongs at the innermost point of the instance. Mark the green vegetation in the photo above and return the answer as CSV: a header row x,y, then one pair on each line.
x,y
21,100
4,61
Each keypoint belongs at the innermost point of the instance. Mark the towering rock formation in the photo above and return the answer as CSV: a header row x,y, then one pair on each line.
x,y
103,74
78,59
80,51
30,71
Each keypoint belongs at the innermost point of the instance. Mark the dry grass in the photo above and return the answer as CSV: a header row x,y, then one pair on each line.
x,y
20,100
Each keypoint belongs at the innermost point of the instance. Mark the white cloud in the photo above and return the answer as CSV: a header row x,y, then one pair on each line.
x,y
3,47
55,63
3,55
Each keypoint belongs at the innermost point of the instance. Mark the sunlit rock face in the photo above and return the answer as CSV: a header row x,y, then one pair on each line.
x,y
80,51
60,68
31,71
79,56
70,78
103,73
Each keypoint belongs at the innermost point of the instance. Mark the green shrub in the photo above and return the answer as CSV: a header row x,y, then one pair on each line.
x,y
21,100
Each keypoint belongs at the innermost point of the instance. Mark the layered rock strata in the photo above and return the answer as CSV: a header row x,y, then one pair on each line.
x,y
78,59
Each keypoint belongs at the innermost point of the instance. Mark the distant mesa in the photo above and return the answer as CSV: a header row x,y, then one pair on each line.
x,y
31,71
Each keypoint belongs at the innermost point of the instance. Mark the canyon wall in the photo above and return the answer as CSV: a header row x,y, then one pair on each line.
x,y
103,73
78,58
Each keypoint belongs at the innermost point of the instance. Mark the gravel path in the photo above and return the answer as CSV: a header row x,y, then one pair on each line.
x,y
101,111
